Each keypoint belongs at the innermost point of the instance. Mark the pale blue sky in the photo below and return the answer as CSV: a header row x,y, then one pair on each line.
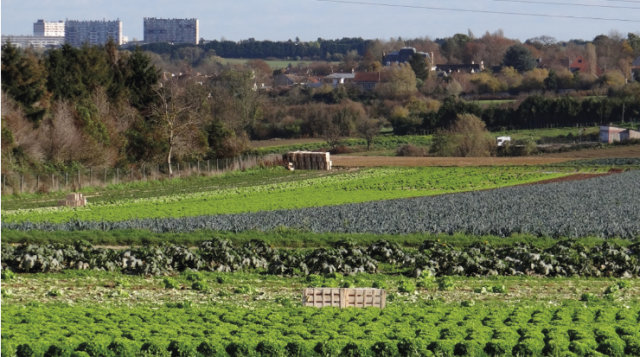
x,y
309,19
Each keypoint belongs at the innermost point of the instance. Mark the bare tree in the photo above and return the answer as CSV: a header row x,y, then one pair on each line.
x,y
179,115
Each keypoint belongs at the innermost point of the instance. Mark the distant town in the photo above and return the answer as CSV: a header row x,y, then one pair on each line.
x,y
53,34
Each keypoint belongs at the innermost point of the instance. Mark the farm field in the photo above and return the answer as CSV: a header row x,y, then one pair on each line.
x,y
126,311
237,331
518,265
158,188
347,187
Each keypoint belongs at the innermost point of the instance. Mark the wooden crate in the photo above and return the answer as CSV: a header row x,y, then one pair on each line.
x,y
342,297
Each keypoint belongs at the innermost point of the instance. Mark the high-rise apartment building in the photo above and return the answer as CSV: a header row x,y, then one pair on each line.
x,y
77,33
43,28
171,30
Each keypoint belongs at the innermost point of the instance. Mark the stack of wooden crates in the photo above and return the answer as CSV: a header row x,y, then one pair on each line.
x,y
73,200
344,297
308,160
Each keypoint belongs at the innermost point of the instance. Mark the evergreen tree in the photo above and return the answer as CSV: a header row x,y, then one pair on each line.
x,y
551,82
141,78
520,58
24,78
419,66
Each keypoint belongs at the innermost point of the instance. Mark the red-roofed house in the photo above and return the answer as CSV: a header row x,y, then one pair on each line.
x,y
368,80
581,65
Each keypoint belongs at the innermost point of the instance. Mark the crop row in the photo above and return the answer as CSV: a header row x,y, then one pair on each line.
x,y
433,258
184,330
605,206
627,161
350,187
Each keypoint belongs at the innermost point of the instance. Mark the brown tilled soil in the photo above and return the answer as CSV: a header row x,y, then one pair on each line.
x,y
617,152
368,161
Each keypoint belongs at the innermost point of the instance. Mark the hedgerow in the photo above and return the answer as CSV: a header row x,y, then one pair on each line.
x,y
59,330
325,266
604,207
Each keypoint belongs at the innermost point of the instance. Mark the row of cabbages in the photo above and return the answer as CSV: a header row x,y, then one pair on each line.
x,y
566,258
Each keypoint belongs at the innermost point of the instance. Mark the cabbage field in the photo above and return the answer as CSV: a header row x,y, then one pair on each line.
x,y
347,187
473,264
605,206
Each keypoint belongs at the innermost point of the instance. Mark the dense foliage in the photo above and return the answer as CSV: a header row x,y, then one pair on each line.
x,y
182,330
433,258
262,49
601,207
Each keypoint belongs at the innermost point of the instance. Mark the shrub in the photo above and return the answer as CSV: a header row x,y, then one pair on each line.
x,y
170,283
205,349
411,150
222,279
589,297
379,285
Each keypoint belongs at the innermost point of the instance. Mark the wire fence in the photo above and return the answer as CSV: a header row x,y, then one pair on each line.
x,y
73,179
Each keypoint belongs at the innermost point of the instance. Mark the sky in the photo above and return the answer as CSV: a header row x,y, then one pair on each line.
x,y
278,20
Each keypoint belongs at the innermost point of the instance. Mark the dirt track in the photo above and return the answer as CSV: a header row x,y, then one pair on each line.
x,y
368,161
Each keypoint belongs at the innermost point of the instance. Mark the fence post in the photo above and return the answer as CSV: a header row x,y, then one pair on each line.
x,y
217,165
208,167
178,168
21,182
198,166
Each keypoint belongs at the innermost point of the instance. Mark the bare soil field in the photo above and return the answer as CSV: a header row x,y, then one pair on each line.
x,y
370,161
617,152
